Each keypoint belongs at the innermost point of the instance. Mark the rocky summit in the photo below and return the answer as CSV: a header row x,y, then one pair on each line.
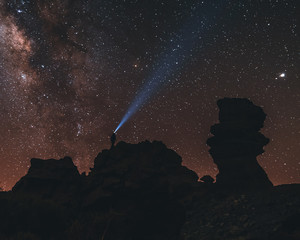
x,y
134,167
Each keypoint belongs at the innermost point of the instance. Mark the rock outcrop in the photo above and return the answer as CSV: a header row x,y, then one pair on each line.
x,y
49,178
136,167
134,191
236,143
141,185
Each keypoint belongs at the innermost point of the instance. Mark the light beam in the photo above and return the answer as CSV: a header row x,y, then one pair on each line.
x,y
179,51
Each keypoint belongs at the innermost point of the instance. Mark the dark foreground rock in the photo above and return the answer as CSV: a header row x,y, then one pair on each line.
x,y
134,191
141,187
272,214
236,143
49,178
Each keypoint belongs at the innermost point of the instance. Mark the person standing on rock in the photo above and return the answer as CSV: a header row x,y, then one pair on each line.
x,y
113,139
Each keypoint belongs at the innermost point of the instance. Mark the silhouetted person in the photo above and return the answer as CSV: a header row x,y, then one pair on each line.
x,y
113,139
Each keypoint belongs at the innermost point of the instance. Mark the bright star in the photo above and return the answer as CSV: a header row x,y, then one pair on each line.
x,y
23,76
282,75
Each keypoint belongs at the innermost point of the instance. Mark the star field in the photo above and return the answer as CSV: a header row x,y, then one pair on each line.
x,y
70,69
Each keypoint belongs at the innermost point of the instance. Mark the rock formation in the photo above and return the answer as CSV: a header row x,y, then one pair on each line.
x,y
144,165
135,190
143,185
236,143
49,177
142,192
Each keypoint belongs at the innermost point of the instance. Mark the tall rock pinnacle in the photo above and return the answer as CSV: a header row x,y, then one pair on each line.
x,y
236,143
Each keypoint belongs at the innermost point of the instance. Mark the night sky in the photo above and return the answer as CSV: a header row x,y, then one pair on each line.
x,y
70,69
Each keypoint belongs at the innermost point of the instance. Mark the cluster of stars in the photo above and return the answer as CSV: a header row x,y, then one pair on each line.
x,y
71,69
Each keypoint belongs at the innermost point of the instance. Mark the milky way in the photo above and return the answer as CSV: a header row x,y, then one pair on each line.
x,y
70,69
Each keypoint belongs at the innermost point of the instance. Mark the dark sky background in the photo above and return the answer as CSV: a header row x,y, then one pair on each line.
x,y
70,69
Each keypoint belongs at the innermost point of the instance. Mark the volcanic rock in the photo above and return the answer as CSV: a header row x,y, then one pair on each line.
x,y
141,167
142,185
236,143
49,177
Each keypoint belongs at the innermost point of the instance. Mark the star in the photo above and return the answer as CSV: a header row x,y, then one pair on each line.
x,y
282,75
